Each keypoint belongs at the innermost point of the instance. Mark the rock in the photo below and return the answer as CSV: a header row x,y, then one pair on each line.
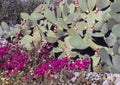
x,y
3,41
107,82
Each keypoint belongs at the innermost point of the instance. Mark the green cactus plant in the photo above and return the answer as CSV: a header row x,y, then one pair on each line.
x,y
74,27
5,26
116,61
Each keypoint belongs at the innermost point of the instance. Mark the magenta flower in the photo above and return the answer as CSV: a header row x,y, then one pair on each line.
x,y
41,70
63,62
27,77
44,52
1,65
16,60
71,66
56,65
86,62
37,71
4,50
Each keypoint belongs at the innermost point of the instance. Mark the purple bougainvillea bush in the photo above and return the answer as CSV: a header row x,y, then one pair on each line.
x,y
18,63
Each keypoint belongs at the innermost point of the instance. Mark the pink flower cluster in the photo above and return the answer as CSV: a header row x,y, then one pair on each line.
x,y
56,65
4,50
14,58
79,64
16,61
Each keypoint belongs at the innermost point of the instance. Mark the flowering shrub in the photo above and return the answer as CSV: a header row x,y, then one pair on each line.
x,y
4,51
56,65
19,62
13,58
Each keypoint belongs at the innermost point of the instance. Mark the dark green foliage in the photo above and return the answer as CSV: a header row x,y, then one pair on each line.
x,y
10,9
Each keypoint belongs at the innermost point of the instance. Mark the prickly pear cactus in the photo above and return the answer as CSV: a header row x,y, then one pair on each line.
x,y
76,28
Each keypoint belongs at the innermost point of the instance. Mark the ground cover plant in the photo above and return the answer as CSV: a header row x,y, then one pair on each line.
x,y
59,38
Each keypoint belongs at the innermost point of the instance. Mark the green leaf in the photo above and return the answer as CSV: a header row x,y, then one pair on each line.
x,y
71,17
38,8
61,6
98,25
51,6
42,28
115,47
62,55
104,29
72,32
77,42
25,16
83,5
96,34
57,49
110,41
111,22
16,30
119,50
7,35
28,24
116,62
36,16
99,16
36,36
25,32
73,54
91,4
62,23
47,1
67,41
50,16
115,7
102,3
72,8
117,17
113,70
60,33
65,10
81,27
50,33
116,30
95,60
49,25
104,56
106,16
118,40
91,18
26,41
90,42
59,12
5,26
1,34
51,37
